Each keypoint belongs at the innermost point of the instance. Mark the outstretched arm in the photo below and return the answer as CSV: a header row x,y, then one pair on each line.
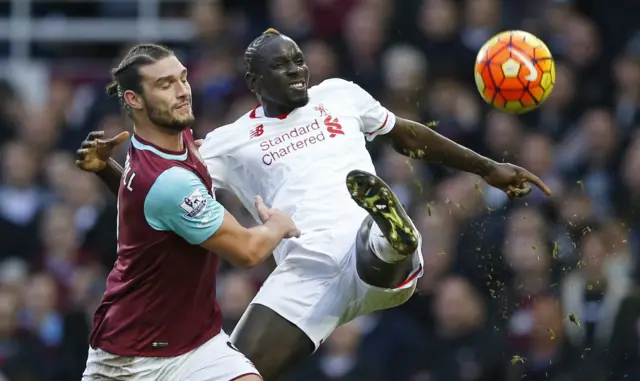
x,y
421,142
418,141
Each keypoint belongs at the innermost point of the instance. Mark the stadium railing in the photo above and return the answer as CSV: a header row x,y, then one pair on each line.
x,y
19,29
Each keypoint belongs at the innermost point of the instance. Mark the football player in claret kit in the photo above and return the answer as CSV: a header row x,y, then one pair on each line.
x,y
158,319
305,150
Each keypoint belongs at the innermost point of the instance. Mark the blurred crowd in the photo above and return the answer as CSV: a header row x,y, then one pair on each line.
x,y
539,289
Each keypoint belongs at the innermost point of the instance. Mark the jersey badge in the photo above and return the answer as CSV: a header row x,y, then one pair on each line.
x,y
194,204
320,108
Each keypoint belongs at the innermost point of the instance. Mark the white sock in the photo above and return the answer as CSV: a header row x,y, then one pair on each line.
x,y
381,247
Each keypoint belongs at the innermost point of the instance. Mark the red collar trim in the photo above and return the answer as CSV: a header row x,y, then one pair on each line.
x,y
253,115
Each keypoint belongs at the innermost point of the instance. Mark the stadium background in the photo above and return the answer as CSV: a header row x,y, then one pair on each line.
x,y
544,289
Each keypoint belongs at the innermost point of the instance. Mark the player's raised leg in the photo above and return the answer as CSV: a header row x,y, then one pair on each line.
x,y
271,342
386,248
388,240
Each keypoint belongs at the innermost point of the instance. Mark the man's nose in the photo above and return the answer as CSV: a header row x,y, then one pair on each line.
x,y
183,90
293,69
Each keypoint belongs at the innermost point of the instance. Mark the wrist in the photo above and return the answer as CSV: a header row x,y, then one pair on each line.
x,y
484,166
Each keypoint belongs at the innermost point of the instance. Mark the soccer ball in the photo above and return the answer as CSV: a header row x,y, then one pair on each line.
x,y
515,72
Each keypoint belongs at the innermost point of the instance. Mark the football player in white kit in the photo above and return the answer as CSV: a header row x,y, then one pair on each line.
x,y
297,149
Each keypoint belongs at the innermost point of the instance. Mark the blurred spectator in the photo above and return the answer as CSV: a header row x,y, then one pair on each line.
x,y
537,153
321,59
61,254
234,295
438,34
11,110
291,17
40,313
93,216
21,353
544,358
503,136
592,296
529,257
364,39
463,344
339,359
21,200
405,73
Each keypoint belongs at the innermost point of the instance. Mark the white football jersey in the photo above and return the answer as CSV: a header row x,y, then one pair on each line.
x,y
299,162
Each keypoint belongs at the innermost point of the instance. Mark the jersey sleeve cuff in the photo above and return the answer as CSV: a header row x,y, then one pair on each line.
x,y
206,232
386,126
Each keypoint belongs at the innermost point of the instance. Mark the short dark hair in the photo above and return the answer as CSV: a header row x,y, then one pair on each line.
x,y
126,76
254,47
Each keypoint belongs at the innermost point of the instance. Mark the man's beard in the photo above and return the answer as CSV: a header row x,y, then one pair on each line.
x,y
164,119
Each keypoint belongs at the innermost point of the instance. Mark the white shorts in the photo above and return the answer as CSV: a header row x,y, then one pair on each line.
x,y
214,360
317,295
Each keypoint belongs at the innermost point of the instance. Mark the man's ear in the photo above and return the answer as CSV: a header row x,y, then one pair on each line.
x,y
250,79
133,100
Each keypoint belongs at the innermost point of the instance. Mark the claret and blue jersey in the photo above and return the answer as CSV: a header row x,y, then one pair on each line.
x,y
160,298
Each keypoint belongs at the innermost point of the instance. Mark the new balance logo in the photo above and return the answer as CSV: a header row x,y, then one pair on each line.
x,y
258,131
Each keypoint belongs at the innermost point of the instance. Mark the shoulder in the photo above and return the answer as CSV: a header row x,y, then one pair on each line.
x,y
224,130
173,184
142,169
332,85
338,88
234,127
180,202
225,137
176,173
